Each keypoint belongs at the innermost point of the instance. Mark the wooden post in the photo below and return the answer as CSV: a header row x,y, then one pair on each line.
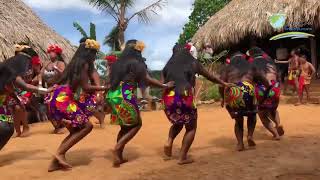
x,y
313,52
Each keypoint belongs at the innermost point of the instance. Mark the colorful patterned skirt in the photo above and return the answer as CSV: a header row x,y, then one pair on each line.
x,y
5,110
123,102
87,102
62,105
270,99
180,109
240,99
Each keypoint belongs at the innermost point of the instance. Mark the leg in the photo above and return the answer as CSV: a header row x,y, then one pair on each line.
x,y
6,131
251,124
307,89
276,120
268,124
174,131
74,137
100,116
18,116
188,138
25,124
130,132
238,129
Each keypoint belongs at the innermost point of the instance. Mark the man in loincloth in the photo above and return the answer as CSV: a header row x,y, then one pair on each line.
x,y
307,71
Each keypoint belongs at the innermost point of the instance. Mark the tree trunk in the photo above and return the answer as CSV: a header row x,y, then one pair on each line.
x,y
122,22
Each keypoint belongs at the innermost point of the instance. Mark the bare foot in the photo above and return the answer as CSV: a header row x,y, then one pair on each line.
x,y
25,133
185,161
62,161
116,159
251,142
102,125
280,130
59,131
276,138
17,135
240,147
167,151
124,161
54,166
298,104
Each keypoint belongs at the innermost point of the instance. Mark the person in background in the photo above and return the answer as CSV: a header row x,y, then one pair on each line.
x,y
282,55
293,70
207,52
50,73
307,72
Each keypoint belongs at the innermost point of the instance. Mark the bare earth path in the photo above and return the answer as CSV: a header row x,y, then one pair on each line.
x,y
296,157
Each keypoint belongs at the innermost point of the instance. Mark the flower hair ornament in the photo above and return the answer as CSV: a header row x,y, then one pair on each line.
x,y
92,44
139,46
19,48
54,48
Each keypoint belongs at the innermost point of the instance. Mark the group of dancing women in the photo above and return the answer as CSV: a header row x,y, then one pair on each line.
x,y
249,85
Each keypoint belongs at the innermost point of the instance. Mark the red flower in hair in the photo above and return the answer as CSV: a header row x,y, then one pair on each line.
x,y
54,48
250,60
111,59
188,47
265,55
35,60
228,61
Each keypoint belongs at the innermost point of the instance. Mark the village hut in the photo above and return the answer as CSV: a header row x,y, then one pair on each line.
x,y
242,21
18,23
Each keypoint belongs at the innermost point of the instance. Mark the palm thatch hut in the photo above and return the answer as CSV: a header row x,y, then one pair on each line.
x,y
241,20
18,23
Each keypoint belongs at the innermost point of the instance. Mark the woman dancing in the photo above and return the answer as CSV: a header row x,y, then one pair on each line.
x,y
240,100
64,108
14,75
51,72
267,97
179,103
126,74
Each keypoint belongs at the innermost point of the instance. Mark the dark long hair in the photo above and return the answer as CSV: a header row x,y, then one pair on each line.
x,y
261,60
130,63
238,61
180,69
15,66
72,73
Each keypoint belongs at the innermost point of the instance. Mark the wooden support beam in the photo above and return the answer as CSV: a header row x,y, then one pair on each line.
x,y
313,52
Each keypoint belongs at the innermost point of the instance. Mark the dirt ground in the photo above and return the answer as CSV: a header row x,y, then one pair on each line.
x,y
295,157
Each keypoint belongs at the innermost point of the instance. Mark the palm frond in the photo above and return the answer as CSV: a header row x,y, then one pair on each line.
x,y
93,31
109,6
144,14
112,39
80,29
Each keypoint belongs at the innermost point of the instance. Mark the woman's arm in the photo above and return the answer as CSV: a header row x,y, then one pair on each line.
x,y
157,83
29,87
211,77
85,81
59,68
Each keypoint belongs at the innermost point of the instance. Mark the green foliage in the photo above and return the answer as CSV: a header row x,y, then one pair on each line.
x,y
100,55
212,92
84,33
93,34
215,59
112,39
202,11
80,29
156,91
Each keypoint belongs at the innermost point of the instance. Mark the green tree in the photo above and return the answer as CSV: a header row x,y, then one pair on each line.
x,y
202,11
112,39
92,31
119,9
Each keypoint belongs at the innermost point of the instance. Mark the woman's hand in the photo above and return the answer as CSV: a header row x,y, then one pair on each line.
x,y
225,84
170,85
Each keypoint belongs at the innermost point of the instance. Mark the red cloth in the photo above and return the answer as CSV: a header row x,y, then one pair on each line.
x,y
111,59
301,85
54,48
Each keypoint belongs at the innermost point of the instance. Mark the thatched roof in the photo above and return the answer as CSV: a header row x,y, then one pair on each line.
x,y
241,18
19,23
